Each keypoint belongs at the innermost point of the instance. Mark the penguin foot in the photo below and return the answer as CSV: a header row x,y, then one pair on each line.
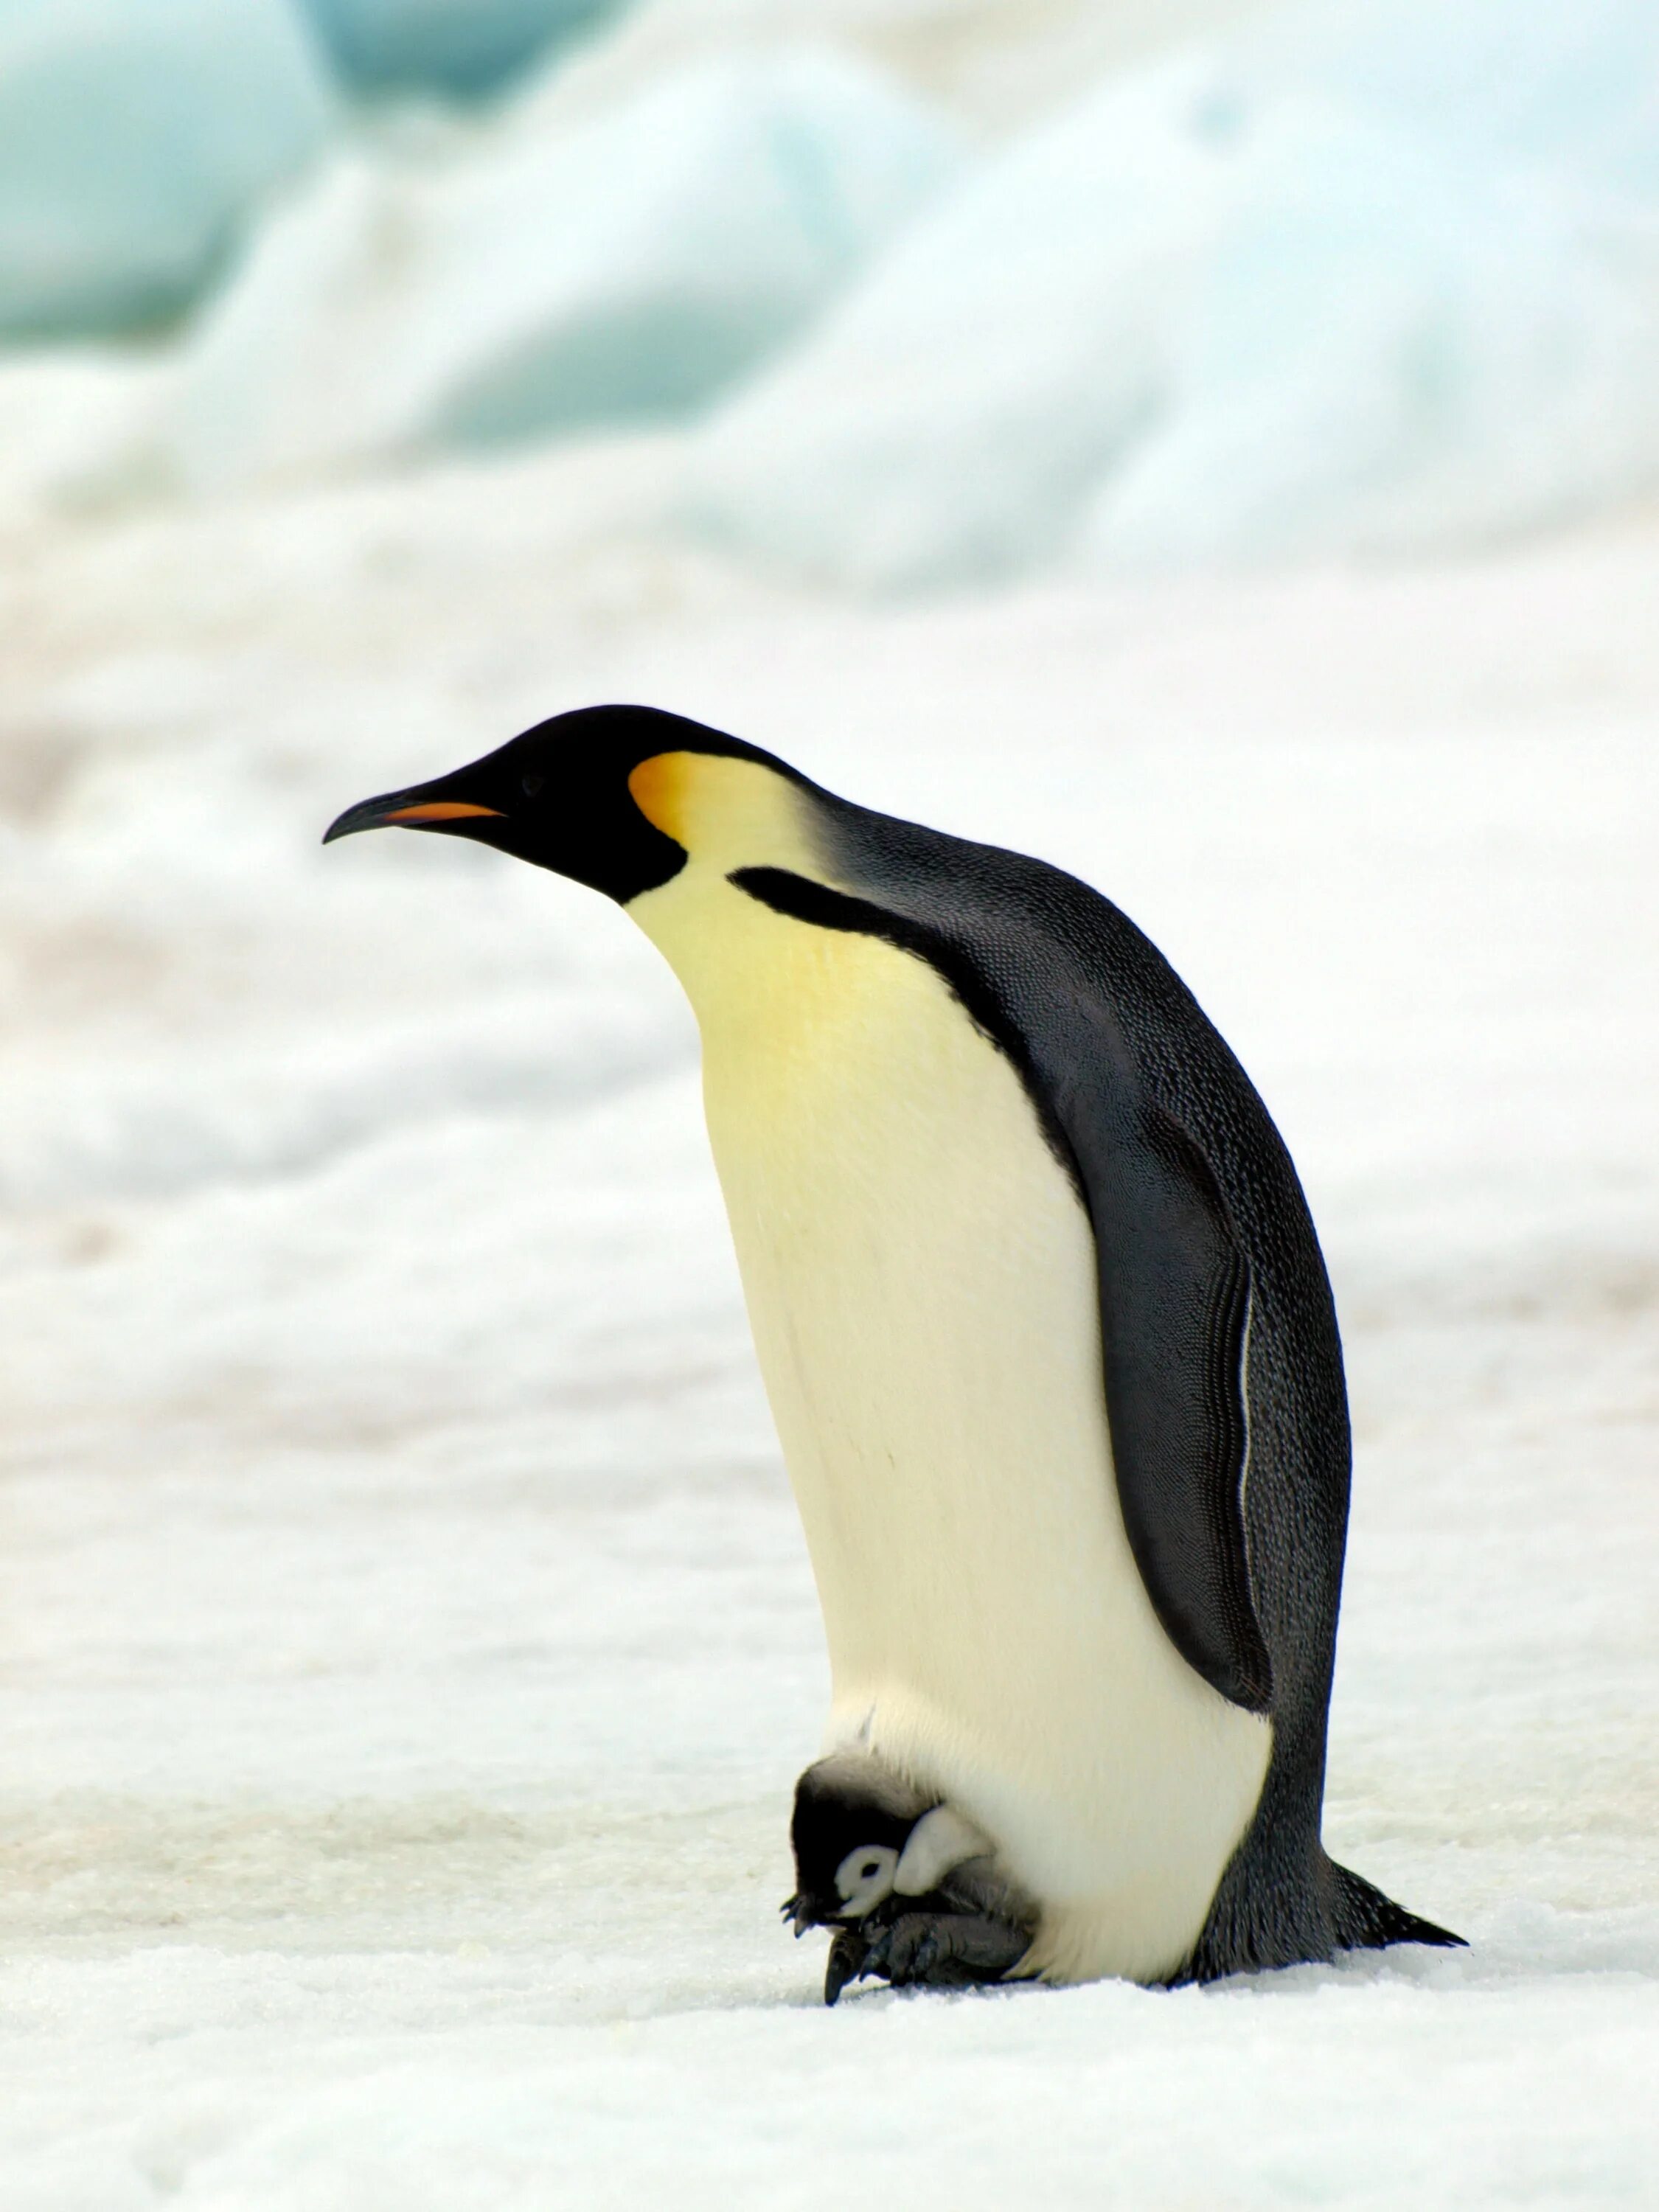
x,y
945,1950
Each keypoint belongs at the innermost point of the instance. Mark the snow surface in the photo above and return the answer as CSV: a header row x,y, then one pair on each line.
x,y
1376,274
631,267
136,137
408,1644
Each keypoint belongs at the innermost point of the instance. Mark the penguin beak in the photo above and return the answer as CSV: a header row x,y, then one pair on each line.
x,y
424,806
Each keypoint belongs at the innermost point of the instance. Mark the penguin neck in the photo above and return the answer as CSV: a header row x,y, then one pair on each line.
x,y
730,952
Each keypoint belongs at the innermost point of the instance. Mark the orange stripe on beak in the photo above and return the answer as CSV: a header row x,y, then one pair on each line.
x,y
438,809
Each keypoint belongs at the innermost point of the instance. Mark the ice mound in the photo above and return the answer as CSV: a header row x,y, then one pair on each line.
x,y
950,417
1574,90
636,269
463,47
1382,275
1395,348
285,372
134,139
996,65
626,270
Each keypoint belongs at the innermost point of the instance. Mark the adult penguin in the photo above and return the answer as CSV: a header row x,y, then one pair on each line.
x,y
1044,1325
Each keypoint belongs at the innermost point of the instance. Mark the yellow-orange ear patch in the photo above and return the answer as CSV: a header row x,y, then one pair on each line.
x,y
724,811
659,789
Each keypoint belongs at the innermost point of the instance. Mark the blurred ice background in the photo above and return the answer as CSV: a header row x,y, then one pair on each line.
x,y
1211,442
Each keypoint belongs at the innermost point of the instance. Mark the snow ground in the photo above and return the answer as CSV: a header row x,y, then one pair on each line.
x,y
407,1643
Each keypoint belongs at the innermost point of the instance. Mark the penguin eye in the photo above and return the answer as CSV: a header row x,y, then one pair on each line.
x,y
533,784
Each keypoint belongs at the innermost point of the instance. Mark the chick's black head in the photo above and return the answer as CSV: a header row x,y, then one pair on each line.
x,y
852,1820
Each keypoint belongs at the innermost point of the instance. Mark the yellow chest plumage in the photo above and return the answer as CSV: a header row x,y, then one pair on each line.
x,y
920,1281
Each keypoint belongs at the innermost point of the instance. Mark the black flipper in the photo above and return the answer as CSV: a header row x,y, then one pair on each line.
x,y
1174,1291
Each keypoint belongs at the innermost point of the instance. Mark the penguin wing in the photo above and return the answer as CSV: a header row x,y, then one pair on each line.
x,y
1175,1304
1174,1280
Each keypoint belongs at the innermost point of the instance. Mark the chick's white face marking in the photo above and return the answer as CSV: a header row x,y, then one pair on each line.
x,y
865,1878
920,1281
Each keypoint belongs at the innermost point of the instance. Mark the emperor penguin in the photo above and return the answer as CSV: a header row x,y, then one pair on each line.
x,y
1051,1349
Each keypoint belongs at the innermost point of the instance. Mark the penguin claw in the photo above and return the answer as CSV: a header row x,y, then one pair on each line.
x,y
847,1962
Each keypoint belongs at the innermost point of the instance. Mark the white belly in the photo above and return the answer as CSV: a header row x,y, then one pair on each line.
x,y
920,1281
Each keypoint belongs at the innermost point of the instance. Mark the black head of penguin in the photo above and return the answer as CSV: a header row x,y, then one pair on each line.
x,y
559,797
852,1820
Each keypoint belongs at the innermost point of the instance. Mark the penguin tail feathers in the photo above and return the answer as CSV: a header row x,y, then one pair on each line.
x,y
1366,1920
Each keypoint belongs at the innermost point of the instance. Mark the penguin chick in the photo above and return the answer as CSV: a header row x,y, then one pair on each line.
x,y
908,1886
853,1819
